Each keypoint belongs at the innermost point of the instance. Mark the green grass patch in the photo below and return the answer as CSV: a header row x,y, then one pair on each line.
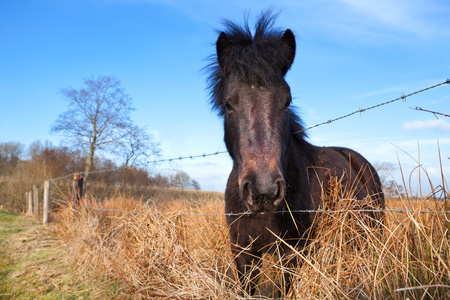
x,y
7,227
32,266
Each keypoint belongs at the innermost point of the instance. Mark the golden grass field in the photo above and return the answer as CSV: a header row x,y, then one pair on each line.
x,y
175,250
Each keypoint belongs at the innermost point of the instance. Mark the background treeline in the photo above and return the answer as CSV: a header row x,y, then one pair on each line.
x,y
21,168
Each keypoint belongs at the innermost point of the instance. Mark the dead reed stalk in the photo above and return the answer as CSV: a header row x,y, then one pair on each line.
x,y
179,251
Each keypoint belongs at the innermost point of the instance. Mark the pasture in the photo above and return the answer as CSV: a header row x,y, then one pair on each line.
x,y
296,220
179,249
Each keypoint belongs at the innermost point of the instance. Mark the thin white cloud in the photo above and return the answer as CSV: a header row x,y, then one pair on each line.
x,y
422,142
416,17
438,124
380,92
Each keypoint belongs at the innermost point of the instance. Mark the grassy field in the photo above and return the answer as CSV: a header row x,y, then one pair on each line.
x,y
32,263
170,244
177,250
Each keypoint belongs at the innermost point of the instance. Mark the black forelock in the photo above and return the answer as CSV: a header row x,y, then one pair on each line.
x,y
252,58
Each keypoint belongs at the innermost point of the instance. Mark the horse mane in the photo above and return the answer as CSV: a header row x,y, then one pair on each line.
x,y
257,58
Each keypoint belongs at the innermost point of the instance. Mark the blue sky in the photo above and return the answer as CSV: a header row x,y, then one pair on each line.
x,y
350,55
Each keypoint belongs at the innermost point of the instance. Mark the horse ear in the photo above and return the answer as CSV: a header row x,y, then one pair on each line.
x,y
288,41
222,48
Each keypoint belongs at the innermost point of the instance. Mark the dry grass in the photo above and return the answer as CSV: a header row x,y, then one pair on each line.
x,y
177,251
348,260
156,251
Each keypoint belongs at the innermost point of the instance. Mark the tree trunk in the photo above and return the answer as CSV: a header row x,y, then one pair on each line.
x,y
90,163
124,169
77,189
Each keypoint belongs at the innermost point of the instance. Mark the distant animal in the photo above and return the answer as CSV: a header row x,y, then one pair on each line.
x,y
276,172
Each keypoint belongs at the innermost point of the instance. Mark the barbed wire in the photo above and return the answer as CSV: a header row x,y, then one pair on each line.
x,y
110,209
54,216
307,211
403,97
247,213
188,157
430,111
59,200
92,172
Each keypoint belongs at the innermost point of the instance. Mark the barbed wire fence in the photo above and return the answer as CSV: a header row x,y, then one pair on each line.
x,y
302,211
33,201
360,111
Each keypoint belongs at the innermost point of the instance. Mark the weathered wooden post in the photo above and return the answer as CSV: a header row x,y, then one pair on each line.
x,y
36,201
29,196
77,188
46,207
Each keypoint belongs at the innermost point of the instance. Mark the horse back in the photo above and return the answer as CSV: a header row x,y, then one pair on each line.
x,y
350,172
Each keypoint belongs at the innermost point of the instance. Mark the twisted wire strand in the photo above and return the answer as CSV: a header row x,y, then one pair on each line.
x,y
247,213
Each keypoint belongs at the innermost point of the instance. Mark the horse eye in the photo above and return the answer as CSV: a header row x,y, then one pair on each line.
x,y
288,102
227,106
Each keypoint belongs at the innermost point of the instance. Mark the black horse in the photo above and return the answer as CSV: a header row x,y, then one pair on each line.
x,y
276,172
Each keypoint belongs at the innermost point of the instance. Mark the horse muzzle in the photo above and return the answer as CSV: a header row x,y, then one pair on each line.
x,y
262,193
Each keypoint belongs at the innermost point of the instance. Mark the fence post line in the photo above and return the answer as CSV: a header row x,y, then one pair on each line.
x,y
46,207
77,188
30,203
36,201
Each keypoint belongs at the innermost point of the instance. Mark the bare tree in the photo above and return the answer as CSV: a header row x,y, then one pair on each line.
x,y
180,180
160,180
195,185
137,146
389,185
10,157
96,118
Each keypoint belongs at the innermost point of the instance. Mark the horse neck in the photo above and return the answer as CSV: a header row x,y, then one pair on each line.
x,y
299,156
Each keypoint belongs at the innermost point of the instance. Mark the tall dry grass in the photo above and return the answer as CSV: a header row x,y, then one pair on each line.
x,y
179,250
155,251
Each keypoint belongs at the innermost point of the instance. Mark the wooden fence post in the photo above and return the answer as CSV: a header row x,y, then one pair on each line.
x,y
29,196
36,201
46,207
77,188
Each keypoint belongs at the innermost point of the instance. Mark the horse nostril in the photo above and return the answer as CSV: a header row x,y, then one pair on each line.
x,y
245,189
281,191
